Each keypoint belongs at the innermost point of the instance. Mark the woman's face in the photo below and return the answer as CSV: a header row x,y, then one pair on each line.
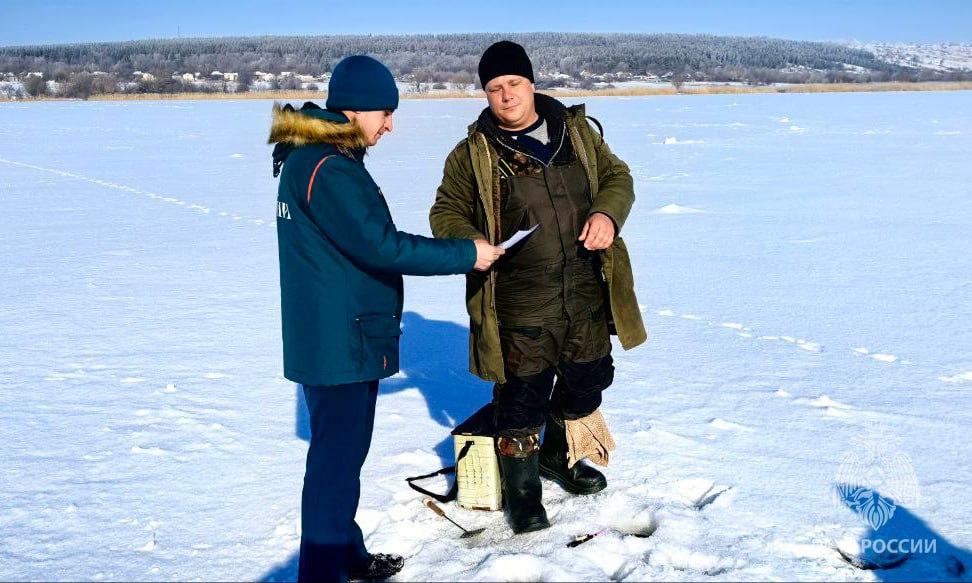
x,y
374,124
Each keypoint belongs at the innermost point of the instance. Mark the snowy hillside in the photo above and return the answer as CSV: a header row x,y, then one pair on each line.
x,y
934,56
803,264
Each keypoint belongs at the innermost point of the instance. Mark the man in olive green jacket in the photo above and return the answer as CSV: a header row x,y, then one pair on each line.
x,y
540,320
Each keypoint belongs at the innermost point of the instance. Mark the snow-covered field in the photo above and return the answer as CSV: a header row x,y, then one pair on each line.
x,y
804,264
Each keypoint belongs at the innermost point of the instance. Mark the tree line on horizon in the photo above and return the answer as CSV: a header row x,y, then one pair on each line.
x,y
576,59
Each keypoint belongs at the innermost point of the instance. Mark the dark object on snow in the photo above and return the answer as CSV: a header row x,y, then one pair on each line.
x,y
465,533
579,479
872,563
453,492
376,567
583,538
521,493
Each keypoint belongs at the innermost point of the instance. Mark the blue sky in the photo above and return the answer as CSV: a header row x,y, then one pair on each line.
x,y
61,21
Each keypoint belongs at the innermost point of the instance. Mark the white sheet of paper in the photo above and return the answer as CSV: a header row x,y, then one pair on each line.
x,y
519,236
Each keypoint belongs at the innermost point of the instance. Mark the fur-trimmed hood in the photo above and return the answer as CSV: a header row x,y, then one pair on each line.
x,y
292,128
312,125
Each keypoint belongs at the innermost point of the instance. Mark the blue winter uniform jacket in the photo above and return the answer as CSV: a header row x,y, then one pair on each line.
x,y
341,257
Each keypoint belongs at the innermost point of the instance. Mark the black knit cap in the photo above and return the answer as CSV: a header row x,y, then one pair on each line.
x,y
504,58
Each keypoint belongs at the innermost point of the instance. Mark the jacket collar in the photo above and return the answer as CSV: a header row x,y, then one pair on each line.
x,y
553,111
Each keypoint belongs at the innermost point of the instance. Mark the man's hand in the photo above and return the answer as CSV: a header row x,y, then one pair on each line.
x,y
598,233
486,254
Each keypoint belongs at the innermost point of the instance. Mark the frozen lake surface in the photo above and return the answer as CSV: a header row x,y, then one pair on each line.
x,y
804,265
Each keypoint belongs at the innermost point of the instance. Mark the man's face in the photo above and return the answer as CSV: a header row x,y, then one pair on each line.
x,y
511,101
374,124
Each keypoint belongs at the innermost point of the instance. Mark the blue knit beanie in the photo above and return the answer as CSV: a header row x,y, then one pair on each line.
x,y
360,83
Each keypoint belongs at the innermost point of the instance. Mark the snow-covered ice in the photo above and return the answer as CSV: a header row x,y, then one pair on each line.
x,y
818,306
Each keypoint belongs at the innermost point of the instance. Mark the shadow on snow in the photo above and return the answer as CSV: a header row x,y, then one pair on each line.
x,y
903,547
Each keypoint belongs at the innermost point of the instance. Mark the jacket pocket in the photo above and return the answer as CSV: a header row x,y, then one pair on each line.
x,y
531,332
378,335
511,221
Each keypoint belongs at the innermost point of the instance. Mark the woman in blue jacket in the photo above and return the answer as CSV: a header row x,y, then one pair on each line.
x,y
341,266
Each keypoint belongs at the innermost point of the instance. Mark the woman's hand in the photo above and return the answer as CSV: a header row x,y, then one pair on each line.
x,y
486,254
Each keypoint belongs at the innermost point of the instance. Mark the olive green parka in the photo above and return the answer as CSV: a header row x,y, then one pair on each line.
x,y
467,206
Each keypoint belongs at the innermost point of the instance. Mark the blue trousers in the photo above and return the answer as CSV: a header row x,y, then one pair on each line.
x,y
342,418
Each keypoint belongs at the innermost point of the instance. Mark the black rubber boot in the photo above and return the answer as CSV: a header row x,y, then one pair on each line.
x,y
580,479
522,503
376,567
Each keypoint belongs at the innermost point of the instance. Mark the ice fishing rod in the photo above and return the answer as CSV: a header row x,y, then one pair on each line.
x,y
583,538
